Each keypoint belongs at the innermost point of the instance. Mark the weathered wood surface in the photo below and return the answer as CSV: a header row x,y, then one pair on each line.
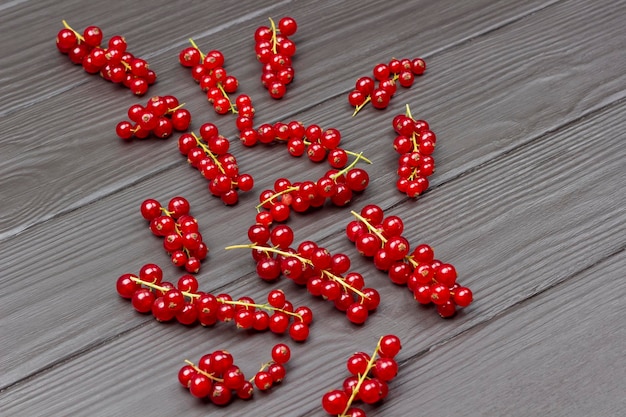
x,y
527,101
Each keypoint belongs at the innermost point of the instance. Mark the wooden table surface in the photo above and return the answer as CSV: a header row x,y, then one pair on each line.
x,y
527,101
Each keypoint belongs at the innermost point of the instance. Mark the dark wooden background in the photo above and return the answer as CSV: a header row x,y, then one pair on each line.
x,y
527,101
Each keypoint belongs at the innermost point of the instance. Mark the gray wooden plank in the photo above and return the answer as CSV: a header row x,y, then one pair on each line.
x,y
558,354
148,29
550,355
514,228
220,23
91,179
485,232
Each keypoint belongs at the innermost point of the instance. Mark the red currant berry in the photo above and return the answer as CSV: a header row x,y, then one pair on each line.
x,y
357,313
463,296
200,385
287,26
335,402
389,346
299,331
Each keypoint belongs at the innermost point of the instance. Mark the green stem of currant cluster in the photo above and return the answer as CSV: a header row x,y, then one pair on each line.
x,y
173,109
369,98
339,280
200,371
278,194
362,378
349,167
274,38
230,103
413,136
192,296
358,155
199,50
219,85
207,151
78,35
176,227
162,288
369,226
382,238
360,106
261,306
261,369
296,188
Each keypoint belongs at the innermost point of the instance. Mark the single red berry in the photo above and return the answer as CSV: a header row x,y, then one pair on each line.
x,y
181,118
277,89
447,309
281,353
357,313
418,66
370,391
380,98
287,26
357,363
463,296
220,394
93,36
334,402
277,372
126,286
381,72
66,39
200,385
185,374
263,380
142,300
389,346
151,273
299,331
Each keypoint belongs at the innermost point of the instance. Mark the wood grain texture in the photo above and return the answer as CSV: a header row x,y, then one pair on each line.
x,y
531,263
527,101
64,155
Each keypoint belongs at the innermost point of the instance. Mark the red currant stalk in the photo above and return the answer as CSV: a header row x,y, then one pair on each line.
x,y
194,266
360,106
414,135
232,107
192,296
339,280
362,378
202,55
208,152
274,37
78,35
296,188
369,98
200,371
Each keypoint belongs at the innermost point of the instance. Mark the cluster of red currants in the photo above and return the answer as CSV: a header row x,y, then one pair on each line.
x,y
313,266
208,71
401,70
318,144
368,381
415,143
181,237
431,281
160,117
217,378
149,293
209,155
275,50
114,63
337,186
